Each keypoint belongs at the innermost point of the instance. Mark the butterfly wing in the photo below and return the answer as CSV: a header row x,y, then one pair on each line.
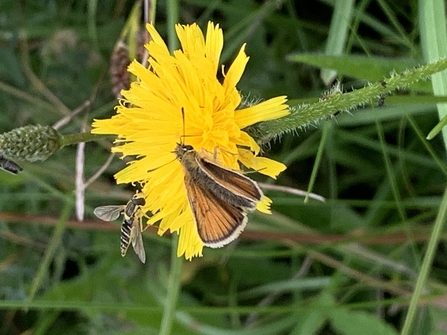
x,y
218,222
230,185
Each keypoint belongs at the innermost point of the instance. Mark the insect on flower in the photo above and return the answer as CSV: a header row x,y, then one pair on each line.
x,y
219,197
131,227
204,200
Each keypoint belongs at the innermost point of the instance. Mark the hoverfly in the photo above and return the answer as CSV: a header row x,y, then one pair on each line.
x,y
131,227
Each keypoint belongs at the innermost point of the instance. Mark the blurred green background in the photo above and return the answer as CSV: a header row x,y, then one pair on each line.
x,y
346,266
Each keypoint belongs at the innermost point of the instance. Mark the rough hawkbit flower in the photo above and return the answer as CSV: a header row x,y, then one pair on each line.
x,y
179,99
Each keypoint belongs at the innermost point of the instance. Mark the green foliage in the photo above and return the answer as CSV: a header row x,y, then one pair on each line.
x,y
350,265
352,323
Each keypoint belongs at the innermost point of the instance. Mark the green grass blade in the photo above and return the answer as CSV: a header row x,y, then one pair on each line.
x,y
432,20
49,254
173,289
338,32
426,264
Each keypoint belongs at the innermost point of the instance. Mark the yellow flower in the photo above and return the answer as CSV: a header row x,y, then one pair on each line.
x,y
149,123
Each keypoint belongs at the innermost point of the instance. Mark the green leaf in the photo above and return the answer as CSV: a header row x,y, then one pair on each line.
x,y
364,67
353,323
315,317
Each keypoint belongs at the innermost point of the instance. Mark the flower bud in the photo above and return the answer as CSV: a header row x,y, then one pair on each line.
x,y
29,143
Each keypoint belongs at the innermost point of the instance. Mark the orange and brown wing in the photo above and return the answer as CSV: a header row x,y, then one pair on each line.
x,y
218,222
237,188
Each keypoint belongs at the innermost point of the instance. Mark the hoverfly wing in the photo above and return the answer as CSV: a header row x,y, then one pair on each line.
x,y
137,241
108,213
218,222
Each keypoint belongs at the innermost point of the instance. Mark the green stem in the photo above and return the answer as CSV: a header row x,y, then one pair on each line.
x,y
173,289
317,162
91,23
131,28
172,19
79,137
152,10
302,116
426,264
52,247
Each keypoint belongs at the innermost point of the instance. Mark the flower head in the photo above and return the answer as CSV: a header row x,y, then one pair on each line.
x,y
179,98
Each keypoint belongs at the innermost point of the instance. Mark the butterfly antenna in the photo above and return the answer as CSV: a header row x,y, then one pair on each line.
x,y
184,128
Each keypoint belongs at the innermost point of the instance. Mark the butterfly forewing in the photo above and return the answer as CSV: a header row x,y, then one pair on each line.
x,y
236,184
218,222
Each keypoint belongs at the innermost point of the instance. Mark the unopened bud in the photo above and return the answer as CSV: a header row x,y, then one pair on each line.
x,y
29,143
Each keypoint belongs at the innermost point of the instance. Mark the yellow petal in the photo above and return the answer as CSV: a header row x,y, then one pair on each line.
x,y
264,205
262,165
235,71
267,110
